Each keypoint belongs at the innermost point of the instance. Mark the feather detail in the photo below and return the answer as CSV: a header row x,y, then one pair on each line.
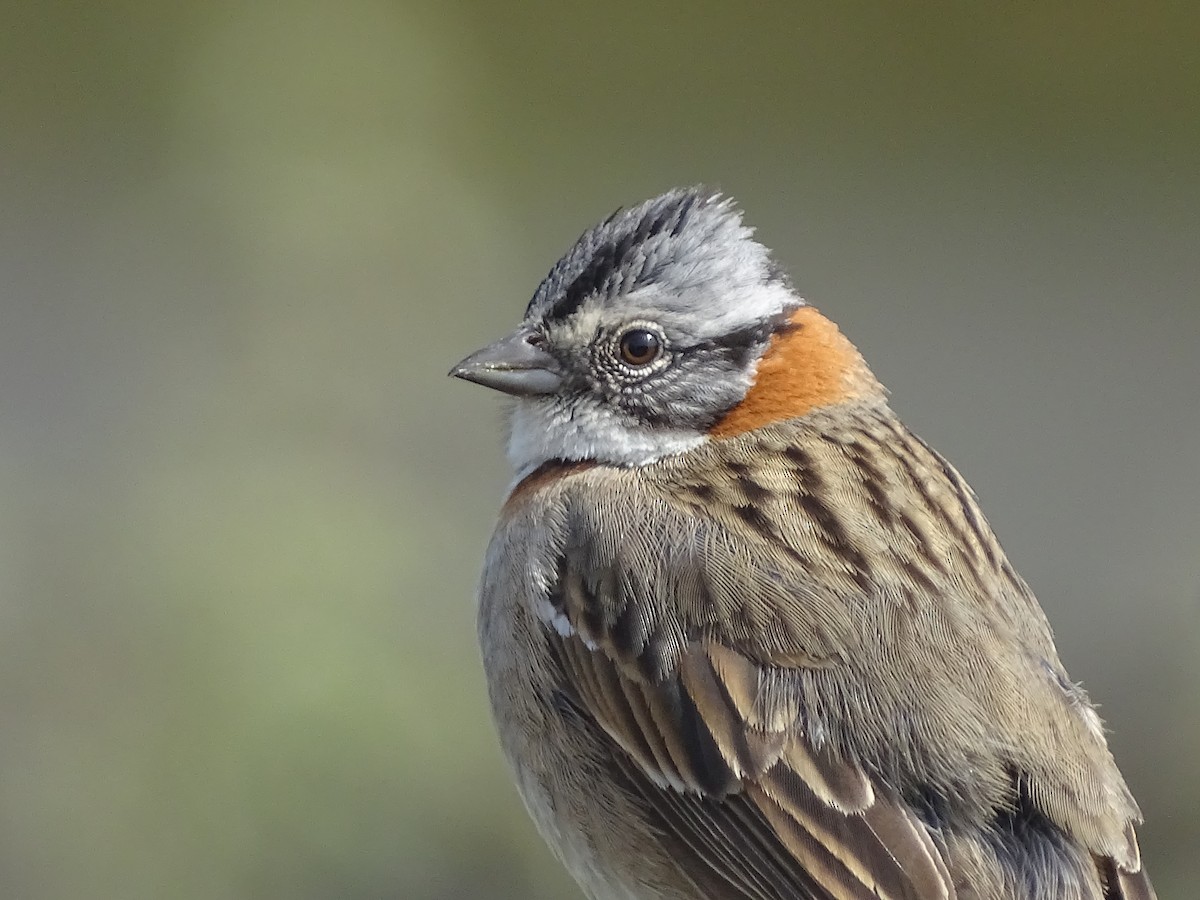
x,y
834,700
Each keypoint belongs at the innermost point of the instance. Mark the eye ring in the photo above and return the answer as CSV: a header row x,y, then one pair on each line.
x,y
639,347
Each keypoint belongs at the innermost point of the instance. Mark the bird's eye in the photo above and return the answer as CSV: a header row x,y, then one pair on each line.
x,y
640,347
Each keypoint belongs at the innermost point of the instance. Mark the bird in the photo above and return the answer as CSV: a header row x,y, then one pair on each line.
x,y
745,635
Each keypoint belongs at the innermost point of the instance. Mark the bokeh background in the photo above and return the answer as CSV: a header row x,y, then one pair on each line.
x,y
242,509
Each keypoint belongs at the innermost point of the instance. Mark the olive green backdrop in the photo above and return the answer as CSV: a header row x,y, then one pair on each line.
x,y
242,509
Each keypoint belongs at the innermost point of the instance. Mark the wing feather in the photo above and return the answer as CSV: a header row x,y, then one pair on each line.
x,y
749,673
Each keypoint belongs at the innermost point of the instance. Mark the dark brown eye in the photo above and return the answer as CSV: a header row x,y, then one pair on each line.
x,y
640,347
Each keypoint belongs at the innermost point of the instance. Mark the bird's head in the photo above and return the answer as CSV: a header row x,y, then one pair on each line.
x,y
665,326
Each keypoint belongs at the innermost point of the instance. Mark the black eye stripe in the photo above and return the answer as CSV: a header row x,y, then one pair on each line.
x,y
745,339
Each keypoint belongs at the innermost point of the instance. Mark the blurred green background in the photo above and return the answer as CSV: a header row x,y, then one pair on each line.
x,y
243,509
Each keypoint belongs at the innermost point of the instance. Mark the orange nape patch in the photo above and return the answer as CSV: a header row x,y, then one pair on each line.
x,y
807,366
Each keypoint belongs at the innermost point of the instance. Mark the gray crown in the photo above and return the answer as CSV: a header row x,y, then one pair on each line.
x,y
689,241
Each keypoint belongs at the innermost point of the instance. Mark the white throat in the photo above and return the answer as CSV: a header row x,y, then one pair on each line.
x,y
543,429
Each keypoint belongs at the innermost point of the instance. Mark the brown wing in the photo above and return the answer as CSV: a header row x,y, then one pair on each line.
x,y
712,739
785,683
758,810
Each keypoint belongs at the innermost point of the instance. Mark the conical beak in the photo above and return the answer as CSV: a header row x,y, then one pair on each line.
x,y
515,365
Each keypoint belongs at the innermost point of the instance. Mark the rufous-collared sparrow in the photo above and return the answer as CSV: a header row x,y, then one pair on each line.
x,y
746,636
